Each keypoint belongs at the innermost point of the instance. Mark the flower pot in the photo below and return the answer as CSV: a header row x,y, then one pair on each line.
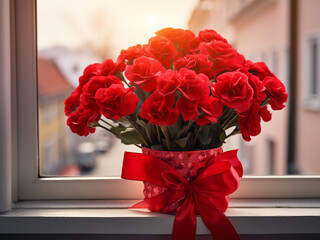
x,y
188,164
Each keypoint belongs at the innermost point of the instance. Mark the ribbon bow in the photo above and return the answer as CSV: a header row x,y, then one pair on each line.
x,y
207,194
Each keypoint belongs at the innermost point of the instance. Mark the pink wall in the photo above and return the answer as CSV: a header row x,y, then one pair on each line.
x,y
266,31
259,31
308,122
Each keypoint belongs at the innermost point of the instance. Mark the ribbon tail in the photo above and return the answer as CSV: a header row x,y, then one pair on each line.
x,y
218,224
185,222
142,204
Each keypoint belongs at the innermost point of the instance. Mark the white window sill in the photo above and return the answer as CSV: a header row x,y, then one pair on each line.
x,y
112,217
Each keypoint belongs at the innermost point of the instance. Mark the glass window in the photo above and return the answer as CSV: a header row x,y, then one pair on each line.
x,y
32,187
312,71
71,35
84,32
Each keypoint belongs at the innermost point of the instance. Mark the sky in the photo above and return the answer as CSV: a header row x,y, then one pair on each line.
x,y
121,23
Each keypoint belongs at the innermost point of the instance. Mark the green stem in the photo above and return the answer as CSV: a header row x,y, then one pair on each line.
x,y
265,102
224,112
106,122
137,145
231,121
165,132
146,95
121,77
138,131
151,137
109,130
231,114
126,83
188,127
158,133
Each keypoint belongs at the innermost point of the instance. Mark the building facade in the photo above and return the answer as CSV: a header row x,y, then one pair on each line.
x,y
53,88
260,30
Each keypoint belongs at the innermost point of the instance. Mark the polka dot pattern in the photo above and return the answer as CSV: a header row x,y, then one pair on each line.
x,y
188,164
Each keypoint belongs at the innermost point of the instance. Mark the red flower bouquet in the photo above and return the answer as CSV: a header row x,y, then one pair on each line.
x,y
175,97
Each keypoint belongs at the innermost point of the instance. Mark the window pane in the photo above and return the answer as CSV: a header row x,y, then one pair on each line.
x,y
71,35
75,33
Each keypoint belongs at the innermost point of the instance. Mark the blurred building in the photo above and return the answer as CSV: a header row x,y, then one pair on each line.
x,y
71,62
61,151
308,87
53,89
260,30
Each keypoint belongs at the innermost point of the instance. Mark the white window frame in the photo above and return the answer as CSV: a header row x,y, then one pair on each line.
x,y
31,187
311,101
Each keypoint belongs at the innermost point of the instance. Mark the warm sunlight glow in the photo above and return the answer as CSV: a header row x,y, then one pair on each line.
x,y
73,34
73,23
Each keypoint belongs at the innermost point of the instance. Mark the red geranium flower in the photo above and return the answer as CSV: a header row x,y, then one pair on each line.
x,y
160,110
276,91
184,40
162,49
89,71
259,94
72,102
197,62
79,121
193,86
209,35
188,108
106,68
259,69
210,110
97,82
144,72
250,122
234,90
224,56
132,53
168,82
116,101
265,114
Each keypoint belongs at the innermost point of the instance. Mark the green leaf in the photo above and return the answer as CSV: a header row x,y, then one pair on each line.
x,y
204,135
157,147
124,122
150,133
130,136
175,128
141,123
118,129
121,119
140,93
183,130
222,136
182,142
164,143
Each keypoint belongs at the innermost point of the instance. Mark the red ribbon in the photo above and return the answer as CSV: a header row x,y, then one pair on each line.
x,y
207,194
